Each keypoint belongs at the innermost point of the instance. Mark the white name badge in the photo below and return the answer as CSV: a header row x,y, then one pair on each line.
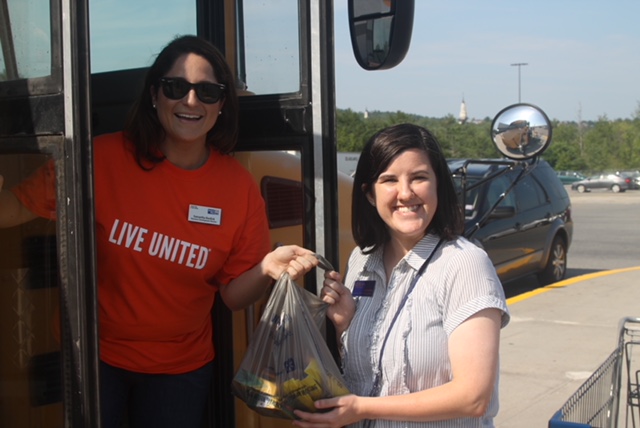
x,y
206,215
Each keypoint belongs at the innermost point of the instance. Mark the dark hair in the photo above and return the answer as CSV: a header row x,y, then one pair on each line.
x,y
369,230
142,126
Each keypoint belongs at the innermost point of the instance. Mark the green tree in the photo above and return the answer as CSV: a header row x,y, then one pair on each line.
x,y
351,130
603,145
564,153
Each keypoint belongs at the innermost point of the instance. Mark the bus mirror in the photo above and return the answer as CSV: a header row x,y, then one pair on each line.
x,y
521,131
380,31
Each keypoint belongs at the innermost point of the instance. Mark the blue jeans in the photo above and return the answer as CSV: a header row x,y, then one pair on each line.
x,y
153,400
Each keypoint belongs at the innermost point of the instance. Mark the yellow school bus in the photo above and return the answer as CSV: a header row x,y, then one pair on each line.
x,y
69,71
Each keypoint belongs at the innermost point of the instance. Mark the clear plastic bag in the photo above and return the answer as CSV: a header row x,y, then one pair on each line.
x,y
288,364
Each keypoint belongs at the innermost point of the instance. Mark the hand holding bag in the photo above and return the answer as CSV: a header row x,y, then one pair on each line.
x,y
288,364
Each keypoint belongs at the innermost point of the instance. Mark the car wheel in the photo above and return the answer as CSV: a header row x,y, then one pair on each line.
x,y
581,188
556,266
615,188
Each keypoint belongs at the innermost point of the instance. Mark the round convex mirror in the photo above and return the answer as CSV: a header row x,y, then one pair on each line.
x,y
521,131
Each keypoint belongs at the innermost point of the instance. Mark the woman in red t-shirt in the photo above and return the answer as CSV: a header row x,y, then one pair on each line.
x,y
177,221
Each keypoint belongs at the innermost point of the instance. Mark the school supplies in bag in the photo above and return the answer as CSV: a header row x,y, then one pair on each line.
x,y
288,364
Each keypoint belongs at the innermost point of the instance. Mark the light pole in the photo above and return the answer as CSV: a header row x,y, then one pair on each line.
x,y
519,65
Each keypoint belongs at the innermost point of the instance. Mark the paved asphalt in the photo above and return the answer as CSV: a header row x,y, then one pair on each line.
x,y
557,337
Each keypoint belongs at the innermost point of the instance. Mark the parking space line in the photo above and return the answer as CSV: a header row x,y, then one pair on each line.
x,y
567,282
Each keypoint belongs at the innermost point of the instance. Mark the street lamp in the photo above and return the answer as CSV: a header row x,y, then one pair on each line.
x,y
519,65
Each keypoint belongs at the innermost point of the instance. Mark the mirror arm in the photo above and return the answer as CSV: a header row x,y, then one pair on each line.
x,y
526,167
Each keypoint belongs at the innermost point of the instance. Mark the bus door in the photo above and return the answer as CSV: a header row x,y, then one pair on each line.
x,y
285,60
48,344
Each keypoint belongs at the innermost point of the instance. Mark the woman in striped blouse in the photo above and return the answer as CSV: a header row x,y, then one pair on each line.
x,y
420,308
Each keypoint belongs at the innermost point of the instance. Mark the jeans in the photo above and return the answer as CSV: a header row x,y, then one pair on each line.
x,y
153,400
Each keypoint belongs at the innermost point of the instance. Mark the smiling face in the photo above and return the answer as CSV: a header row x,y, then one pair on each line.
x,y
186,121
405,196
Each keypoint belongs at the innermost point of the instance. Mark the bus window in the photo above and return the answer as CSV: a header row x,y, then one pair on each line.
x,y
26,39
271,46
30,364
129,34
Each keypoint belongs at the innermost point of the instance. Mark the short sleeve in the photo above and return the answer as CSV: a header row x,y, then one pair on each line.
x,y
471,286
252,241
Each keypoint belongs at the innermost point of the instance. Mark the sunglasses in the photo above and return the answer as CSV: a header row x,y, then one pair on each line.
x,y
175,88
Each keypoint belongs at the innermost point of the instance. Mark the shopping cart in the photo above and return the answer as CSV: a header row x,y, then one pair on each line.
x,y
597,403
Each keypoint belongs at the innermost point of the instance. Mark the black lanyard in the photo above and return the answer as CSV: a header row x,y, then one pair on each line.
x,y
375,390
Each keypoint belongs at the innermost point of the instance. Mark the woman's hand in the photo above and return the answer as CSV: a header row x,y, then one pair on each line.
x,y
296,260
251,286
344,411
342,306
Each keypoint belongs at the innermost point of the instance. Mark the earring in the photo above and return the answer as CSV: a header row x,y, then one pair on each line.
x,y
219,112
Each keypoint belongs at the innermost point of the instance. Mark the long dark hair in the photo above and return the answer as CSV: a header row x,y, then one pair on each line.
x,y
369,230
142,126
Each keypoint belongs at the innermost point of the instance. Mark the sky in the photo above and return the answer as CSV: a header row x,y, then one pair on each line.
x,y
582,56
583,60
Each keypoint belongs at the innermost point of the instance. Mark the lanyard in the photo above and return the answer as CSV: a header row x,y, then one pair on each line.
x,y
375,390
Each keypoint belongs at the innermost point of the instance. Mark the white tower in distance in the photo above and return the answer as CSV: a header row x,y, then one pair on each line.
x,y
463,112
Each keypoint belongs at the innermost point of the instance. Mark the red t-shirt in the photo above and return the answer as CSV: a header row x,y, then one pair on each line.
x,y
166,239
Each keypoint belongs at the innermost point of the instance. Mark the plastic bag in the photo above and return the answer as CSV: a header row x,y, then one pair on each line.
x,y
288,364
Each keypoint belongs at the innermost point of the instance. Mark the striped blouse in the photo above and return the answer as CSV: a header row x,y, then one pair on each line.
x,y
459,281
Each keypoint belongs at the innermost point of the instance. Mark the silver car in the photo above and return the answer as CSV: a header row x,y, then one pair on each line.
x,y
612,182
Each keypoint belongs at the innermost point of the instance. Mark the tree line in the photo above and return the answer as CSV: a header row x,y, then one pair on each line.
x,y
588,146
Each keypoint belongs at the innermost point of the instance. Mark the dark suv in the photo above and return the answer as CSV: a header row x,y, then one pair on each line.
x,y
530,230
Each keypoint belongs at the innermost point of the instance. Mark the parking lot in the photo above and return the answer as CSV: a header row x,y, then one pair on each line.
x,y
606,235
560,334
604,196
606,231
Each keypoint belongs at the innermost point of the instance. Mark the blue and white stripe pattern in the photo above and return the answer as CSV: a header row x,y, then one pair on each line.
x,y
459,282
